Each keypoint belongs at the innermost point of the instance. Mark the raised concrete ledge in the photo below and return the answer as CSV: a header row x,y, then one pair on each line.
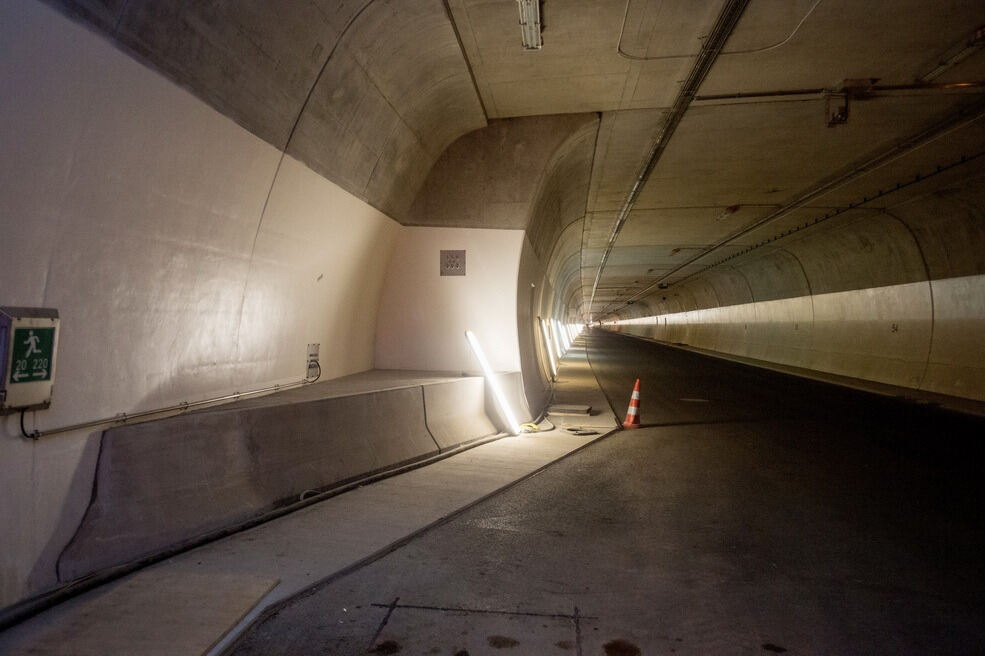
x,y
512,385
317,543
456,412
164,484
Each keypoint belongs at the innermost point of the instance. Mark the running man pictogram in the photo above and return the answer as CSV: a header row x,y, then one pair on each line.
x,y
32,344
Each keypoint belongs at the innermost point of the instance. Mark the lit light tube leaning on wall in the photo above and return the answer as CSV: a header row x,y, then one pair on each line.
x,y
493,381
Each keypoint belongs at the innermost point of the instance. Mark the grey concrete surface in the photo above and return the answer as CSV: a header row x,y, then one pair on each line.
x,y
165,483
754,513
859,296
489,178
116,174
297,550
391,101
456,412
513,391
952,403
116,619
364,94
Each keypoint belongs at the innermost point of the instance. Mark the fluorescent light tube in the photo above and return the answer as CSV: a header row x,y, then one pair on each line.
x,y
493,381
530,24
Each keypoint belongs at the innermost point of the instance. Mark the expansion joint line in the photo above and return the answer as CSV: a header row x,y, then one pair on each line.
x,y
386,618
956,121
724,25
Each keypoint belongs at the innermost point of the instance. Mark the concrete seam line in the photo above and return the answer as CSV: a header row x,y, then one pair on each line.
x,y
851,207
956,121
599,383
28,608
273,609
386,618
465,57
971,407
930,291
584,219
82,518
283,154
838,211
724,25
424,408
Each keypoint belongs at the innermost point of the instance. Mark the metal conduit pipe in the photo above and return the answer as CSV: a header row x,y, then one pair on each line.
x,y
956,121
720,33
782,42
820,91
965,159
124,417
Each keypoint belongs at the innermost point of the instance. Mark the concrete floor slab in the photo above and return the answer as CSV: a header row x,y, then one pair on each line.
x,y
305,547
137,615
816,521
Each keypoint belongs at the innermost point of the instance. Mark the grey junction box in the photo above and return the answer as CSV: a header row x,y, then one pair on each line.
x,y
28,345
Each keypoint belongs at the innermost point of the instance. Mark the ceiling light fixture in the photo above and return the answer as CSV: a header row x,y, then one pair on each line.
x,y
530,26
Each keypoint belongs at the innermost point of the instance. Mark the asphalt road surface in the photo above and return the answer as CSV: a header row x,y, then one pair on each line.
x,y
754,513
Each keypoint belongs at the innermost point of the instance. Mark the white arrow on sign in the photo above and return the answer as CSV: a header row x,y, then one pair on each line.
x,y
17,376
40,374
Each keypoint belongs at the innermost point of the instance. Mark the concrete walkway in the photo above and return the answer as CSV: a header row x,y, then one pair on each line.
x,y
754,513
200,601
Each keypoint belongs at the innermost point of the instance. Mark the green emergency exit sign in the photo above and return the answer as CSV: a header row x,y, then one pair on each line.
x,y
29,339
32,355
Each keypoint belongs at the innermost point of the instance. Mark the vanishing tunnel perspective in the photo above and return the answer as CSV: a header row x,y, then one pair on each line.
x,y
492,326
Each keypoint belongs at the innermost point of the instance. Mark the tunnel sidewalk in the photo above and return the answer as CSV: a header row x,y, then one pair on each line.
x,y
202,600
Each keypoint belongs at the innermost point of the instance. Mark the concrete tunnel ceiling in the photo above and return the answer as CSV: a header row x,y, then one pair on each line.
x,y
431,111
205,188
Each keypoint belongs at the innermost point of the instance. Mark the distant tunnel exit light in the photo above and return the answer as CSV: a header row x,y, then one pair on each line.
x,y
493,381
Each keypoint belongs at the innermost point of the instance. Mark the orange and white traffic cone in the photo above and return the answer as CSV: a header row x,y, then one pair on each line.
x,y
633,413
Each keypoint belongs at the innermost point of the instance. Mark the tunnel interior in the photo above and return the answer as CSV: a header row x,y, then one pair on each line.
x,y
202,190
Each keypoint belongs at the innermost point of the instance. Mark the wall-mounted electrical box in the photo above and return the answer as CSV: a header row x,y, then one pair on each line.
x,y
313,368
28,346
452,263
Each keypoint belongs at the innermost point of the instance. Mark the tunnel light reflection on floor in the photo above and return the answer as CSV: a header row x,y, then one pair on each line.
x,y
493,381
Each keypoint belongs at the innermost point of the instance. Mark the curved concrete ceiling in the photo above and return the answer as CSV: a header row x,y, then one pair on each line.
x,y
367,93
811,107
490,178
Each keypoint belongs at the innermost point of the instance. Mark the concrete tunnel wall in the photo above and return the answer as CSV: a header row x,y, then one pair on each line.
x,y
529,173
366,94
143,215
423,316
892,296
194,247
549,260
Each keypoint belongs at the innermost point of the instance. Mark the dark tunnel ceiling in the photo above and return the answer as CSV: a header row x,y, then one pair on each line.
x,y
370,93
